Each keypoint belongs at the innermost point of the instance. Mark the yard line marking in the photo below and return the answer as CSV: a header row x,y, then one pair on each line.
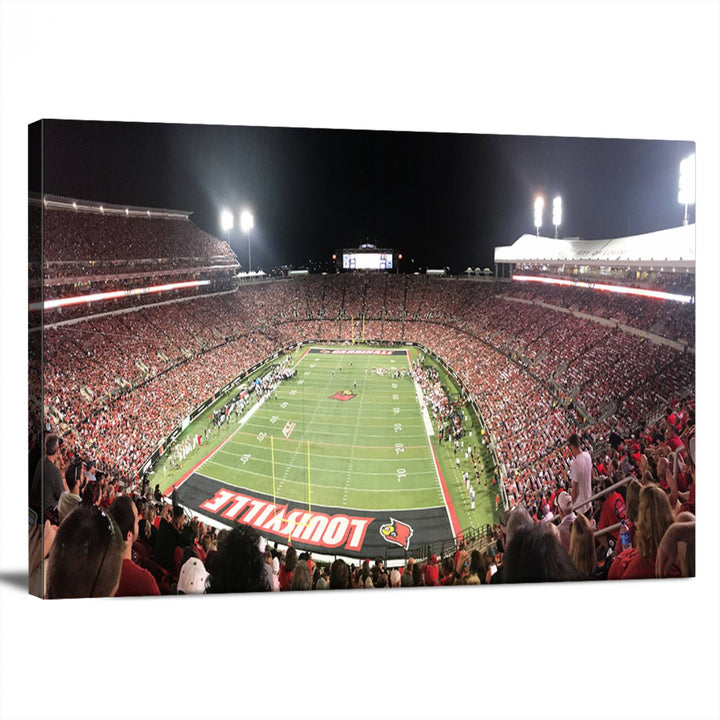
x,y
199,464
452,515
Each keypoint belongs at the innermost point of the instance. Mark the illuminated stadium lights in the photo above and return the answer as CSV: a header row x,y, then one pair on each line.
x,y
539,205
247,222
686,184
619,289
226,220
557,213
114,294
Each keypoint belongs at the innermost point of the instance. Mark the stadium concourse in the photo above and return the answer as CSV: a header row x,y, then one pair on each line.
x,y
582,393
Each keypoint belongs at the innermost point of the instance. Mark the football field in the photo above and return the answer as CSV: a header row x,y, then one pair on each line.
x,y
354,438
344,444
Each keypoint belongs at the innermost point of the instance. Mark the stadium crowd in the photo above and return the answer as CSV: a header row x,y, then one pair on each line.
x,y
99,540
116,385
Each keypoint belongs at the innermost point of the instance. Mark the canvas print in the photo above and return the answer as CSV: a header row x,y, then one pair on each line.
x,y
280,359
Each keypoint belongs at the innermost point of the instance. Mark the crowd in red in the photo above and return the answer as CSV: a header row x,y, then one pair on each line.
x,y
116,385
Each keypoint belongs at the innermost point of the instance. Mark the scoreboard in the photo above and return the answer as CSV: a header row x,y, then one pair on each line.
x,y
367,261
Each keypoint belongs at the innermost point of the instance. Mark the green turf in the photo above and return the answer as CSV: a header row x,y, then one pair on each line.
x,y
371,452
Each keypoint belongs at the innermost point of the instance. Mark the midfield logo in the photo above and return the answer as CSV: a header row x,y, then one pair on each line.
x,y
397,533
343,395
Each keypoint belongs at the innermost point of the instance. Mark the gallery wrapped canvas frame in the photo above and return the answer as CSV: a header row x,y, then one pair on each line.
x,y
402,391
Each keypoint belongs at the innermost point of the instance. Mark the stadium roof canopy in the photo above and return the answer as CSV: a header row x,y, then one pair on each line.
x,y
661,250
59,202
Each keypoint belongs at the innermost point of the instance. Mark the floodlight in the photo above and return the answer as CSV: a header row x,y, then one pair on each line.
x,y
557,212
539,205
246,225
686,184
247,221
226,220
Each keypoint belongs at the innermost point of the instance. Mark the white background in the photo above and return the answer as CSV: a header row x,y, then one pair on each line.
x,y
637,649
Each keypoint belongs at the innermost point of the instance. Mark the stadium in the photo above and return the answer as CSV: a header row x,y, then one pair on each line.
x,y
360,414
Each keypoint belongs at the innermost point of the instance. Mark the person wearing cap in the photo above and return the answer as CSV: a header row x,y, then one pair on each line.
x,y
193,577
134,580
48,485
564,506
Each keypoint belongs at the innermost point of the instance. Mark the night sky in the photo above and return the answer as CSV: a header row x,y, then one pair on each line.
x,y
440,199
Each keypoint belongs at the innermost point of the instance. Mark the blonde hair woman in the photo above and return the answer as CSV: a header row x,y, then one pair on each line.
x,y
582,547
654,518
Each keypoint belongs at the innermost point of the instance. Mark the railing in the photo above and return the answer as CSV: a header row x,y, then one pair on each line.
x,y
596,496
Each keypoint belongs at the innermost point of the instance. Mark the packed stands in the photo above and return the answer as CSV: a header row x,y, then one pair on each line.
x,y
116,383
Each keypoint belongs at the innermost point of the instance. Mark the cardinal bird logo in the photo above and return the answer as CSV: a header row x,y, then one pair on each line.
x,y
397,533
343,395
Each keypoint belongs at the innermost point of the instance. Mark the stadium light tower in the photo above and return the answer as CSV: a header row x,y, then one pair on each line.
x,y
247,223
557,213
539,205
226,223
686,185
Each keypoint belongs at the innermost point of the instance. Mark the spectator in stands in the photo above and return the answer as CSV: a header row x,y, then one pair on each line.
x,y
47,485
479,566
92,494
534,555
632,506
580,474
448,571
301,577
582,548
134,580
287,568
670,553
612,512
193,578
70,498
407,577
86,557
462,567
432,572
169,537
339,575
654,518
567,518
275,573
148,531
239,564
